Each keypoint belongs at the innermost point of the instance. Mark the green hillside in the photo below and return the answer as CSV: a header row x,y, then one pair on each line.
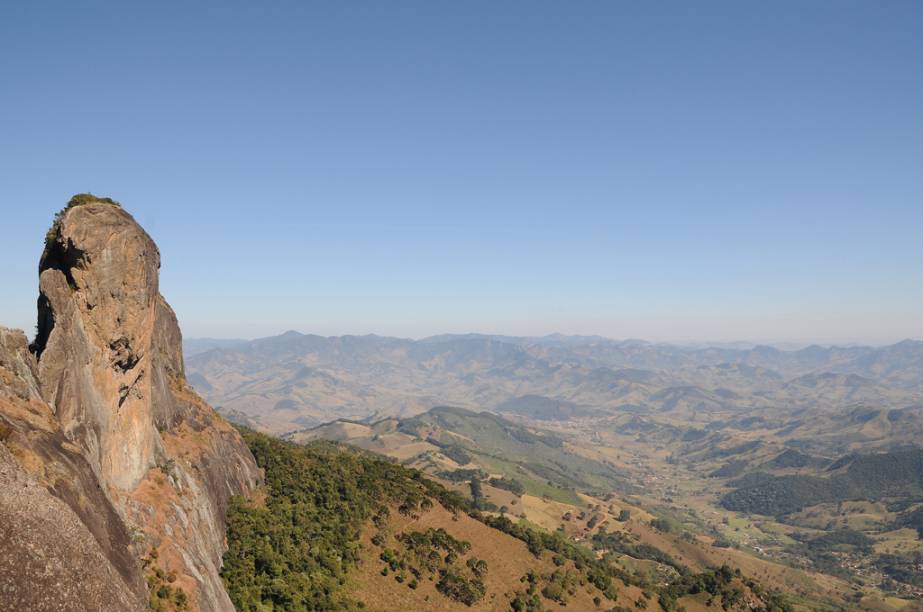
x,y
536,459
296,546
866,477
295,550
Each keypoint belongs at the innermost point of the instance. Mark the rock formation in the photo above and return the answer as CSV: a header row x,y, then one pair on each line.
x,y
62,543
102,430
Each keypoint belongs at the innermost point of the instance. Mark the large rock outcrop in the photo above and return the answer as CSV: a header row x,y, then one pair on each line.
x,y
62,542
102,417
99,297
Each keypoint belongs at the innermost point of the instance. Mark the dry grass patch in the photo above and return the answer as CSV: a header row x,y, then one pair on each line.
x,y
507,558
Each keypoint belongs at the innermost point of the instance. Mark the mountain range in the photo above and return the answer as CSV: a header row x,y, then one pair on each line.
x,y
293,381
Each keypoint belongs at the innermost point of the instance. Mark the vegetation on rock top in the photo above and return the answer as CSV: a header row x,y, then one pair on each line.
x,y
79,199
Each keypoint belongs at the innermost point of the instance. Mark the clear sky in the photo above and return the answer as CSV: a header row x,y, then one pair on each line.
x,y
662,170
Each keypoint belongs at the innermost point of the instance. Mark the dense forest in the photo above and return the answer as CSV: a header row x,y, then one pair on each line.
x,y
870,477
295,548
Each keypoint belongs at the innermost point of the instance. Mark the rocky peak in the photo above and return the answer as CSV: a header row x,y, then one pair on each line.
x,y
105,384
98,282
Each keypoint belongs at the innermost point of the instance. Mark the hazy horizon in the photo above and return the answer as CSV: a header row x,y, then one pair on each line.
x,y
780,344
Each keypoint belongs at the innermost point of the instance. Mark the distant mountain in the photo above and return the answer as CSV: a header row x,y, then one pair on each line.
x,y
194,346
295,380
545,408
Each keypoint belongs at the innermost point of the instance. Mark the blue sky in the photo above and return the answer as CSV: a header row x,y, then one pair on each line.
x,y
670,171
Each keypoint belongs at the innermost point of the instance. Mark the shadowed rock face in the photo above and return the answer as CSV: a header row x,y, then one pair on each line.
x,y
103,420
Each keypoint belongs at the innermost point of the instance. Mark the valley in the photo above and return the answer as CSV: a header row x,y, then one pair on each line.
x,y
384,536
799,468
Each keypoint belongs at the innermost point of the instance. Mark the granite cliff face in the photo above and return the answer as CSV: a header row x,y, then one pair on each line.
x,y
99,419
62,542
